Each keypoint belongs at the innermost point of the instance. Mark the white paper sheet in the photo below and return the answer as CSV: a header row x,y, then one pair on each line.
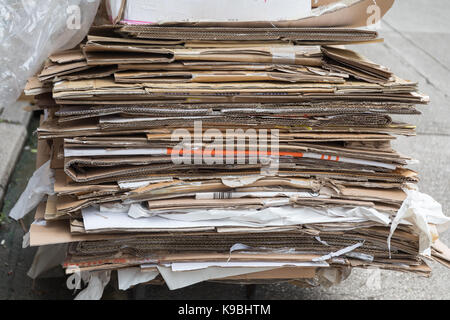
x,y
420,209
92,152
284,216
139,184
177,280
189,266
152,11
279,216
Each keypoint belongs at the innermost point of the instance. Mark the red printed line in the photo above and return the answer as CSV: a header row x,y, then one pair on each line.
x,y
170,151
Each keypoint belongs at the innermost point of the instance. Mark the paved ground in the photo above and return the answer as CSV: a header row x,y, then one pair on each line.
x,y
13,132
417,42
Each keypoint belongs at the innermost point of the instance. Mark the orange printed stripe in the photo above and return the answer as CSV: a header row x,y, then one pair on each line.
x,y
170,151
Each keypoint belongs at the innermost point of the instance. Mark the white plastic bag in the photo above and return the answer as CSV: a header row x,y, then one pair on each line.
x,y
40,185
31,30
97,283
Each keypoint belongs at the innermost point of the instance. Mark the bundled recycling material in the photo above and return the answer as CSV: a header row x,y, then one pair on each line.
x,y
239,151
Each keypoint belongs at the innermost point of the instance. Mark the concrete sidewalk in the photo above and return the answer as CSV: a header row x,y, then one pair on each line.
x,y
13,133
417,37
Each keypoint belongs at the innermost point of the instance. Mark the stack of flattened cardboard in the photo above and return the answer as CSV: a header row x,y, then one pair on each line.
x,y
231,151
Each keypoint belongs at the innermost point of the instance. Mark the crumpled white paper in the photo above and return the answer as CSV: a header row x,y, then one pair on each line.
x,y
40,185
420,209
284,215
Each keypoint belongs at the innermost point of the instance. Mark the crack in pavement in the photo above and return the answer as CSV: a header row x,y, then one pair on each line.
x,y
412,66
413,43
433,134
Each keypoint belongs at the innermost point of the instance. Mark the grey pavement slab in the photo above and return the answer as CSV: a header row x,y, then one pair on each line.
x,y
14,120
16,113
434,118
417,42
12,137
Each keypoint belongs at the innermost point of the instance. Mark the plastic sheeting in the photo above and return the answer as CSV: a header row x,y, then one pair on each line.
x,y
40,185
46,258
97,283
131,277
31,30
328,277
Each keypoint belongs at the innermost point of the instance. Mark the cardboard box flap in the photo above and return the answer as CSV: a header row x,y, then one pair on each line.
x,y
67,56
345,13
217,76
157,11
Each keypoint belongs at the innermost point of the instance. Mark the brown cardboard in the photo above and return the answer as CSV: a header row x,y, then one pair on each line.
x,y
323,35
55,232
55,70
279,273
230,76
67,56
319,3
119,54
346,61
36,87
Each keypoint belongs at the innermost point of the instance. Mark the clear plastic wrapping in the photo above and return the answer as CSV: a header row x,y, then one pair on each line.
x,y
30,30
